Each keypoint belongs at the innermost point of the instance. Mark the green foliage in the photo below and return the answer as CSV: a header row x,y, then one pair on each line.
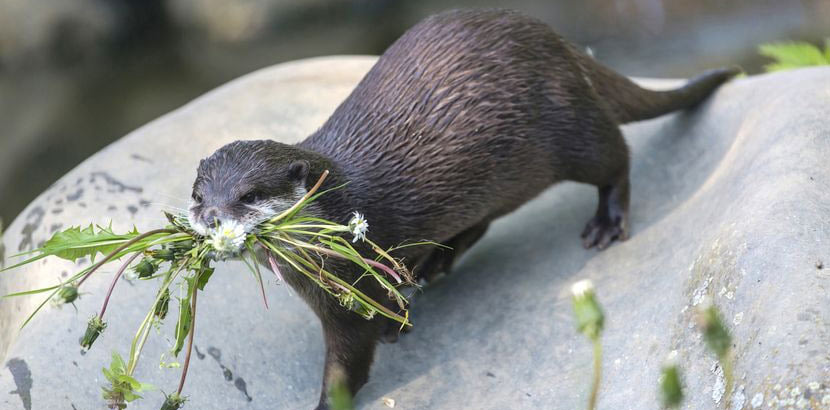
x,y
76,243
587,311
177,252
589,321
790,55
67,294
671,391
173,402
123,387
183,325
715,333
340,398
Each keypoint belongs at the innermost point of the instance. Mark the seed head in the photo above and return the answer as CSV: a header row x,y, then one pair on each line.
x,y
163,305
146,268
173,402
93,329
587,311
67,294
182,246
165,254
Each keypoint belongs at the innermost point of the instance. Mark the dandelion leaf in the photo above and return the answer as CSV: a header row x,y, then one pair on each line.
x,y
183,325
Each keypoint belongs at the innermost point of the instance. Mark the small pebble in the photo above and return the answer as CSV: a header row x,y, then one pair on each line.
x,y
757,400
389,402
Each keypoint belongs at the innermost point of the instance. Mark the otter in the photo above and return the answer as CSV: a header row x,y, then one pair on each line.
x,y
463,119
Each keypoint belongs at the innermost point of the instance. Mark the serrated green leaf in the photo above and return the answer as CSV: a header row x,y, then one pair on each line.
x,y
75,243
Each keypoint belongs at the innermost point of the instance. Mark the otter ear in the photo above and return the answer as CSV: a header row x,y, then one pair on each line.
x,y
298,170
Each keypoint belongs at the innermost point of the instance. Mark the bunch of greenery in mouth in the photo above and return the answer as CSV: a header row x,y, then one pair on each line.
x,y
177,252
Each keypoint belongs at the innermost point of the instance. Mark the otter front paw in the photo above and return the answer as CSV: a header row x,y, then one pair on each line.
x,y
393,331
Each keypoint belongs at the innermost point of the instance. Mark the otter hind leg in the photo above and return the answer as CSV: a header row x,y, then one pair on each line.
x,y
611,219
604,163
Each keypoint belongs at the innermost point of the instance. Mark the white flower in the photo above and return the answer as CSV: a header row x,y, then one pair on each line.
x,y
582,288
227,238
358,226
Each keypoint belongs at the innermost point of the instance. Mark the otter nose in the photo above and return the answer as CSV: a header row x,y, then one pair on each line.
x,y
210,217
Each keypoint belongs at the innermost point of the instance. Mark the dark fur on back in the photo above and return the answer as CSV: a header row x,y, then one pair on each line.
x,y
467,116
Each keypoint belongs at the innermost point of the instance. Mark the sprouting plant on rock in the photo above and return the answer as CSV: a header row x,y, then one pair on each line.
x,y
589,322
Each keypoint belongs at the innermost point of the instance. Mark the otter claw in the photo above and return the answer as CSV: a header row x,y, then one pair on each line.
x,y
602,232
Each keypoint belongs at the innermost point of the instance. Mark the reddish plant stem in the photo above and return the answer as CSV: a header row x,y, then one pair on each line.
x,y
189,336
389,271
262,287
120,249
114,281
274,267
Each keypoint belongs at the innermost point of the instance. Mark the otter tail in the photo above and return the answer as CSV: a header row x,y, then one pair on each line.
x,y
630,102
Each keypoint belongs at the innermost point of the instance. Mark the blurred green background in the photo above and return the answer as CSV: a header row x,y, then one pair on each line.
x,y
76,75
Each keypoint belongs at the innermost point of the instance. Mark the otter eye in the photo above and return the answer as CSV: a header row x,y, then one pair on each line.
x,y
197,198
251,197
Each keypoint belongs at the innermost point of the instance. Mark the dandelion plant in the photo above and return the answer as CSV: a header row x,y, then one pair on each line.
x,y
176,254
589,322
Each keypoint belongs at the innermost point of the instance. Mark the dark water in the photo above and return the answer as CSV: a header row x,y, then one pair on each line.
x,y
103,69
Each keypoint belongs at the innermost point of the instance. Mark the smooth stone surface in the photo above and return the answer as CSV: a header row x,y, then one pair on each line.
x,y
730,200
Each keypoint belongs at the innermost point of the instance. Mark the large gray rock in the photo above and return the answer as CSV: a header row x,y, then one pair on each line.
x,y
731,200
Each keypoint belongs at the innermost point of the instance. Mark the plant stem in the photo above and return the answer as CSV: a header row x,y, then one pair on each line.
x,y
253,266
121,249
383,310
146,333
274,266
190,335
592,401
303,199
144,329
389,271
114,281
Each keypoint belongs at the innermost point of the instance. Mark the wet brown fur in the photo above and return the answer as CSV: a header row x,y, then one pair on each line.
x,y
466,117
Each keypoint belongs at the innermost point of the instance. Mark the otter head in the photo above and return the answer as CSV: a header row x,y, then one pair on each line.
x,y
245,183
